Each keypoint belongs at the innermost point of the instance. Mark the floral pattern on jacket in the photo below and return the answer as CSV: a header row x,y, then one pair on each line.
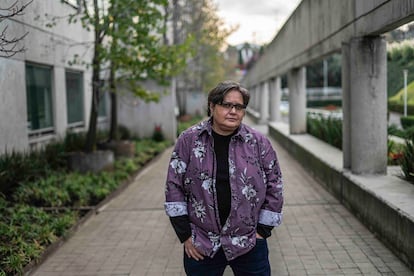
x,y
255,183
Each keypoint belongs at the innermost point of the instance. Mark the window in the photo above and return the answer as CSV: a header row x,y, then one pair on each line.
x,y
74,98
39,98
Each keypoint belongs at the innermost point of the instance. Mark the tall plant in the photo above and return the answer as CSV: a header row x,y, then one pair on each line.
x,y
206,66
127,37
137,50
407,160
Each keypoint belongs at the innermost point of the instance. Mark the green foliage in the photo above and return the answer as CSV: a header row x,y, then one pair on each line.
x,y
399,96
157,135
315,74
207,64
124,133
396,131
398,59
26,231
130,38
407,121
395,153
184,124
12,165
328,129
399,107
40,209
407,161
38,163
323,103
74,141
72,189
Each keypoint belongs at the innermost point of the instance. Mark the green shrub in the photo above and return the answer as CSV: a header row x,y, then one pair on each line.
x,y
124,133
74,141
67,190
407,121
399,107
395,153
25,232
16,168
48,191
407,161
31,217
322,103
183,125
396,131
328,129
157,135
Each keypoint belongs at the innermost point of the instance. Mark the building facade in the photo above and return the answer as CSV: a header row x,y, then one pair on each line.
x,y
46,90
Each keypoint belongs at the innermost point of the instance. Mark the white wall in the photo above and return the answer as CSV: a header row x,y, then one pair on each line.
x,y
141,118
13,117
196,103
53,47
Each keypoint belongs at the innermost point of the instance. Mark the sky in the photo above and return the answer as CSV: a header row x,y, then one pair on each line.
x,y
258,20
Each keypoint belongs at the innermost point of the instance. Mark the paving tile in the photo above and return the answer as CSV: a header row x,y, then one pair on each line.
x,y
131,235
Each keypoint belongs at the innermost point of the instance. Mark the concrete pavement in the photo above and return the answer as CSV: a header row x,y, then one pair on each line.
x,y
131,235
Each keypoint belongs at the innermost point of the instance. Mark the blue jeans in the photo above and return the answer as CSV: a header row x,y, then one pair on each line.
x,y
253,263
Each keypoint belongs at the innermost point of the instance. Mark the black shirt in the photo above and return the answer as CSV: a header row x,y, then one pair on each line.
x,y
221,150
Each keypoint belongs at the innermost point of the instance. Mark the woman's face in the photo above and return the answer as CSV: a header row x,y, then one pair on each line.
x,y
228,115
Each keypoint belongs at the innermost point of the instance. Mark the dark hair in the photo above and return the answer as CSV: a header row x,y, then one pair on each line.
x,y
217,94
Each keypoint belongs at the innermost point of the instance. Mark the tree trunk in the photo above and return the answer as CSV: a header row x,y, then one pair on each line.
x,y
90,143
91,135
113,132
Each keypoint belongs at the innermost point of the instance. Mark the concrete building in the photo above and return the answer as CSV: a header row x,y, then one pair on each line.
x,y
355,29
46,90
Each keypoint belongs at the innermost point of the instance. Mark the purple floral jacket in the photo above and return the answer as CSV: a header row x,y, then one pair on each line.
x,y
255,183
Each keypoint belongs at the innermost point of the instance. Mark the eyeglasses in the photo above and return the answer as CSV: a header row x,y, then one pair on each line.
x,y
229,106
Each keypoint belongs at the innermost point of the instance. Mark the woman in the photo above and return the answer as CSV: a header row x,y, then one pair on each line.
x,y
224,191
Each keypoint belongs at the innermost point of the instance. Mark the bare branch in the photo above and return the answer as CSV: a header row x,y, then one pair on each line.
x,y
9,46
14,10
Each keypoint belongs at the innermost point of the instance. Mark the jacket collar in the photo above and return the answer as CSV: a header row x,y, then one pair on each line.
x,y
206,127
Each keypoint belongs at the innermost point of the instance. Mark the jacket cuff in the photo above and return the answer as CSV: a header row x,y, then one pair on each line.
x,y
270,218
175,209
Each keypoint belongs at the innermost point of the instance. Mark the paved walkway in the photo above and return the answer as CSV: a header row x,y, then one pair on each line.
x,y
131,235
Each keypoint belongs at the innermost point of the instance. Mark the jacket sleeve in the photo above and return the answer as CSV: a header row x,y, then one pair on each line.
x,y
271,210
175,199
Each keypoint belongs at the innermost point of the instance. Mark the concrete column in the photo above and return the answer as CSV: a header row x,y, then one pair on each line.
x,y
346,108
251,102
60,119
275,91
172,133
257,97
368,105
264,103
297,100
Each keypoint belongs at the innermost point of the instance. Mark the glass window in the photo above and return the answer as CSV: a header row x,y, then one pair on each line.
x,y
39,97
74,97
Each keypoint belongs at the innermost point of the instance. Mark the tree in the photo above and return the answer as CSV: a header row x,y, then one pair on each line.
x,y
126,38
10,46
206,66
137,50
